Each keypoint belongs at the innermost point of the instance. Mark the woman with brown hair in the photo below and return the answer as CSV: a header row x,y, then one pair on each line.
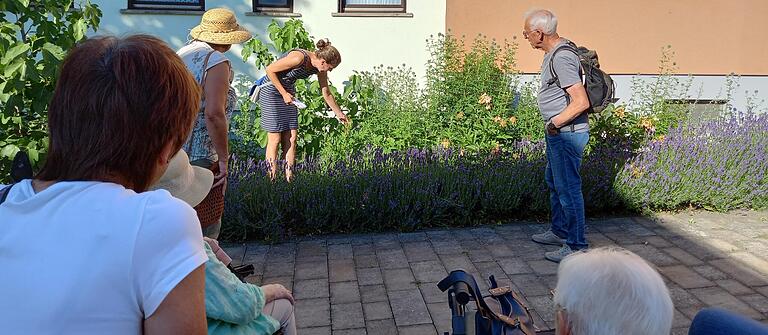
x,y
84,248
279,113
208,144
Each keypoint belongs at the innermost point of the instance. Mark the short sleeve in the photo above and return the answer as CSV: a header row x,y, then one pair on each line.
x,y
216,59
168,248
566,65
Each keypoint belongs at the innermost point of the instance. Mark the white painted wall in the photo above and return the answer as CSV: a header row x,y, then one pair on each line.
x,y
701,87
364,42
709,88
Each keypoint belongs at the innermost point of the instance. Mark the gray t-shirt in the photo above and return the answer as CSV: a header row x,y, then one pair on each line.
x,y
552,98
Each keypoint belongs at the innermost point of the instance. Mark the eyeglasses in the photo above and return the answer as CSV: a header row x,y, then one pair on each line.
x,y
527,34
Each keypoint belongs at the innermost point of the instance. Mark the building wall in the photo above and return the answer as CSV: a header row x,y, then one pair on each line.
x,y
364,42
710,39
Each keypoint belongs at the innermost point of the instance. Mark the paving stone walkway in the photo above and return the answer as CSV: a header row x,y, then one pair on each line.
x,y
386,283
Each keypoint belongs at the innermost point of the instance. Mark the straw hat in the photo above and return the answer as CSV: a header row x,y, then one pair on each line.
x,y
219,26
184,181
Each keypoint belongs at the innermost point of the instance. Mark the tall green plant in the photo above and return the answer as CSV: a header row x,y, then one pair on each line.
x,y
469,89
34,38
390,114
662,103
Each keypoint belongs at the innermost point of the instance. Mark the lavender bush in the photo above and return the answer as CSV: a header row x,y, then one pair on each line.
x,y
716,165
413,189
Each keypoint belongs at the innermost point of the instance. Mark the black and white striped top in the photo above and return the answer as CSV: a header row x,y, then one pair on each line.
x,y
276,116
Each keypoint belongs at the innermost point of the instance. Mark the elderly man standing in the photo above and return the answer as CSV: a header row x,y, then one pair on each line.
x,y
562,101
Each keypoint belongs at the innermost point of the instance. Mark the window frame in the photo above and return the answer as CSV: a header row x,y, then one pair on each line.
x,y
379,9
272,8
164,5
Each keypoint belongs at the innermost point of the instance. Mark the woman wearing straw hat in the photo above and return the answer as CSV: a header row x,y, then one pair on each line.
x,y
204,56
231,306
279,113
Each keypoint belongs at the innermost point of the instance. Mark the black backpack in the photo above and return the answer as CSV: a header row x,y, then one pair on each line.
x,y
599,85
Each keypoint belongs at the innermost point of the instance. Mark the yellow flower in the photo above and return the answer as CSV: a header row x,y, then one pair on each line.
x,y
503,123
485,99
497,119
619,112
646,123
660,138
636,173
496,149
512,120
445,143
459,115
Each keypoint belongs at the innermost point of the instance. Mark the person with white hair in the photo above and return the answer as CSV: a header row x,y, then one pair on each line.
x,y
608,291
562,102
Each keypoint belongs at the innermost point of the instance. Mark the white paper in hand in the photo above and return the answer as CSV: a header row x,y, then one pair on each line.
x,y
299,104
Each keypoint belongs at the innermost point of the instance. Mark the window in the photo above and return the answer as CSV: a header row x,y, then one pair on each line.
x,y
167,4
283,6
701,109
372,6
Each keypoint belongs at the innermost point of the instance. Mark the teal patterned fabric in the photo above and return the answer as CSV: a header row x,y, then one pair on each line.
x,y
231,306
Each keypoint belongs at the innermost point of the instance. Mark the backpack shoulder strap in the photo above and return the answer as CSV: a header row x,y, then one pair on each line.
x,y
569,47
4,193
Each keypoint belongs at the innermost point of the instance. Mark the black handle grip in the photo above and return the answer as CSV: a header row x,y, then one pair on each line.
x,y
461,290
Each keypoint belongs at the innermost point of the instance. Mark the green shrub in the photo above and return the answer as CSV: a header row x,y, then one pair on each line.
x,y
469,92
390,114
34,38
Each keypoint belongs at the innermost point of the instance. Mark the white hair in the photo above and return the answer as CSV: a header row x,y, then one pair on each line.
x,y
609,291
543,20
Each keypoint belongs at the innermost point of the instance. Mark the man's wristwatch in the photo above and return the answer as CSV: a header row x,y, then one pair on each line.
x,y
551,127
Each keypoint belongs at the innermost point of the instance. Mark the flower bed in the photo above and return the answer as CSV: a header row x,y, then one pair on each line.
x,y
407,190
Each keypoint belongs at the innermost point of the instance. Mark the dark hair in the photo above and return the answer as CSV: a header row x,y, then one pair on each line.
x,y
327,52
118,103
220,46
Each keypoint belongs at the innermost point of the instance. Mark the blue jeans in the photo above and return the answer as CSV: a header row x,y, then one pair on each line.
x,y
717,321
564,153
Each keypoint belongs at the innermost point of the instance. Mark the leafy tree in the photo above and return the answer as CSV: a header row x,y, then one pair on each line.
x,y
34,38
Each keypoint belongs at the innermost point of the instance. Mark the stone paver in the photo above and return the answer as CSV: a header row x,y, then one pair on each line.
x,y
715,296
386,283
381,327
313,313
409,308
377,311
345,292
347,316
399,279
315,331
685,277
340,270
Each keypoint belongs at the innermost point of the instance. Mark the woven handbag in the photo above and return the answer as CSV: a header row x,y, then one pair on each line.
x,y
210,210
